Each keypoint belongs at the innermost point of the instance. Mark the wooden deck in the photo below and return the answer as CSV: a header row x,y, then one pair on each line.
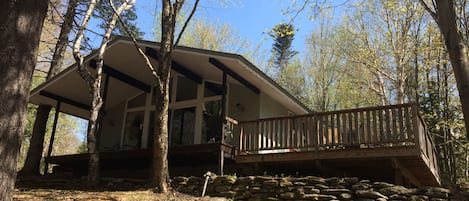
x,y
136,162
394,135
387,143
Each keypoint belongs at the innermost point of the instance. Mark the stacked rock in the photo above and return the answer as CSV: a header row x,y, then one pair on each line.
x,y
259,188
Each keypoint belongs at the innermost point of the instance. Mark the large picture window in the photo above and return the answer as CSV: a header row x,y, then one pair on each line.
x,y
194,114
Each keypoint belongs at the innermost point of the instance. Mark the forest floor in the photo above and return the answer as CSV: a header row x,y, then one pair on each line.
x,y
44,188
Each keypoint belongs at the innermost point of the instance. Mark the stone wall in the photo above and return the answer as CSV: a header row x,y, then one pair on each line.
x,y
256,188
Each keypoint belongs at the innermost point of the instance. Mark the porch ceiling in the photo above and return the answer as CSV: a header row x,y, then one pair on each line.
x,y
122,56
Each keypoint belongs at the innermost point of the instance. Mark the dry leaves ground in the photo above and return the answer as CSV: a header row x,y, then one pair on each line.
x,y
77,195
49,188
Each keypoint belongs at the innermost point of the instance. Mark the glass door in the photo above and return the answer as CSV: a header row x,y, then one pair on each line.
x,y
182,126
133,130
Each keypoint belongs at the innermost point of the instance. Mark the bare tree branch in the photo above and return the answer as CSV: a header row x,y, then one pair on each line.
x,y
137,46
187,22
429,10
79,58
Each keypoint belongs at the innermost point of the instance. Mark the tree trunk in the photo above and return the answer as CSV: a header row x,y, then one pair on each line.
x,y
36,146
33,158
20,29
160,172
160,143
457,50
93,163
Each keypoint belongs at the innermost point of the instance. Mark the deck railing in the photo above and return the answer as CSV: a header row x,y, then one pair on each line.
x,y
230,129
384,126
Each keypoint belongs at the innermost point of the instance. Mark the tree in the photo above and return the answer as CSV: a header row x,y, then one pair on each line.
x,y
33,158
160,171
283,35
94,82
324,66
288,75
20,24
104,12
444,14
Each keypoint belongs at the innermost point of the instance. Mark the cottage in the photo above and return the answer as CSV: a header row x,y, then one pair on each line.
x,y
227,115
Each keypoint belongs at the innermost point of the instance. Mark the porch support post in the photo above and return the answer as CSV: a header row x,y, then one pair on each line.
x,y
221,159
223,107
52,136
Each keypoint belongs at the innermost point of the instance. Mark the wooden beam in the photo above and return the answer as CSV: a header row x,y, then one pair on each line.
x,y
405,172
52,136
330,155
233,74
64,100
134,82
223,107
175,66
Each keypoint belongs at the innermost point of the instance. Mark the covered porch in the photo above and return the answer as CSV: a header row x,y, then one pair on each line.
x,y
136,163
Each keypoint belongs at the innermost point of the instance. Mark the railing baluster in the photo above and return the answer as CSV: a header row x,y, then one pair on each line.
x,y
277,133
332,130
344,129
381,127
400,116
324,132
321,128
409,129
368,127
271,134
337,120
395,124
284,133
387,124
361,128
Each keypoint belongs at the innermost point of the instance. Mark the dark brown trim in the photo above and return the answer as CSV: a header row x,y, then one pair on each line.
x,y
233,74
223,106
64,100
52,136
123,77
175,66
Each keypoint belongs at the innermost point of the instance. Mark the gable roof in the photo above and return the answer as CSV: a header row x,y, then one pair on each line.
x,y
122,57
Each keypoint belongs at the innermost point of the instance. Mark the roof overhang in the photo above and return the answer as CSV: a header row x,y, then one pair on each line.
x,y
129,76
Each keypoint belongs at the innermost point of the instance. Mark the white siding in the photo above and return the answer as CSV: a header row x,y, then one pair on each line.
x,y
270,108
243,104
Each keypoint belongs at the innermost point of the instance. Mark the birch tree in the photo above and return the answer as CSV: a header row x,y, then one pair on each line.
x,y
94,82
20,29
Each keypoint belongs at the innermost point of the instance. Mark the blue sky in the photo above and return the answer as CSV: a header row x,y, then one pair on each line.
x,y
251,18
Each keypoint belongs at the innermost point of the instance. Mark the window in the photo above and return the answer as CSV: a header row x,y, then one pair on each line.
x,y
182,126
133,130
186,89
213,89
212,121
138,101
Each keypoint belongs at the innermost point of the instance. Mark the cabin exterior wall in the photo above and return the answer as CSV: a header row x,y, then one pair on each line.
x,y
270,108
243,104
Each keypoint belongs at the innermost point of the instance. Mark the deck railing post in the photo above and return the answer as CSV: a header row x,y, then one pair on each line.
x,y
415,125
315,132
52,136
